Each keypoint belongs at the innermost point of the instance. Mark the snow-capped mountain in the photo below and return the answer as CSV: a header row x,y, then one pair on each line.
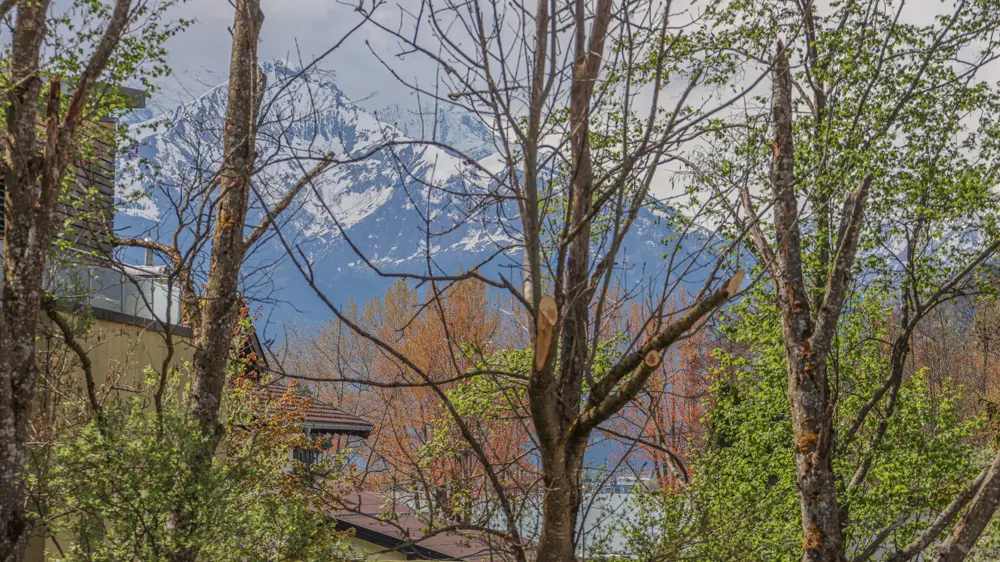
x,y
413,207
464,132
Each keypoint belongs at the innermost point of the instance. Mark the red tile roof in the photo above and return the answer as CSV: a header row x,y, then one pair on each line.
x,y
320,416
324,418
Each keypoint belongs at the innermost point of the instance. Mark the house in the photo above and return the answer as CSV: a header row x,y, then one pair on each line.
x,y
392,531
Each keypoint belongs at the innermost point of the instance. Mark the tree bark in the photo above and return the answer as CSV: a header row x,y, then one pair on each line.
x,y
560,508
930,534
808,335
807,382
970,527
29,209
220,306
563,457
221,303
33,170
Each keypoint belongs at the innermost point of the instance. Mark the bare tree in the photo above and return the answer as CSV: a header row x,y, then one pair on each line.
x,y
221,204
221,300
580,144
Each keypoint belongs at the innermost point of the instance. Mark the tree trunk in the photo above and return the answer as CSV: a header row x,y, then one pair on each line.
x,y
222,301
822,536
563,453
560,509
808,334
808,391
28,214
33,171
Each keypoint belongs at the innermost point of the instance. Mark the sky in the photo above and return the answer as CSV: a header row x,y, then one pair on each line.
x,y
303,29
295,29
310,27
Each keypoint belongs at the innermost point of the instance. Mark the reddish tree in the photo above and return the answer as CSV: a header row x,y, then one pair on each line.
x,y
416,449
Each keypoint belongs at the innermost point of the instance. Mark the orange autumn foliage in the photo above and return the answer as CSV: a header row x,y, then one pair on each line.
x,y
659,432
417,448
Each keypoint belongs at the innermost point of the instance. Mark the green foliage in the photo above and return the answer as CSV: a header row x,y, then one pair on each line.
x,y
742,503
897,106
74,30
139,59
113,488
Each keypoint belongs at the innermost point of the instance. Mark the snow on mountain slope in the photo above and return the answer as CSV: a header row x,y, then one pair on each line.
x,y
461,131
412,208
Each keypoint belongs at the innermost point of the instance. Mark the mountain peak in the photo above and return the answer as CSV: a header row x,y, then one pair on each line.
x,y
381,201
284,72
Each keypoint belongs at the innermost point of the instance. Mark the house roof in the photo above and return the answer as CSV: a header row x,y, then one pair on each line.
x,y
395,526
321,417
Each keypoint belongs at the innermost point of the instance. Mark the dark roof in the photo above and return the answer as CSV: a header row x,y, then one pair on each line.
x,y
324,418
321,418
395,526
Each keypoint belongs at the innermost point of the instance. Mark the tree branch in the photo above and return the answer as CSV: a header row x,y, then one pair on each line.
x,y
602,403
95,67
940,522
272,213
920,311
839,277
6,6
790,284
968,529
49,304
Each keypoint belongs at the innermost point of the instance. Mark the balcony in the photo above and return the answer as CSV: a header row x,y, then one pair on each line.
x,y
134,294
143,292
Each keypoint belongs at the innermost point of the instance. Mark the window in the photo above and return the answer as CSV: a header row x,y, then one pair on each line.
x,y
307,457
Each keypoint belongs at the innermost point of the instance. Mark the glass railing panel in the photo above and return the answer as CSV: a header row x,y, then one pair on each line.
x,y
142,294
106,289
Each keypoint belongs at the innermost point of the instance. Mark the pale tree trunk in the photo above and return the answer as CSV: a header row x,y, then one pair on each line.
x,y
972,524
808,388
222,299
808,335
216,319
28,213
33,170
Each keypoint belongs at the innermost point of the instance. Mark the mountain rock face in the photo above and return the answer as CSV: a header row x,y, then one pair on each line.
x,y
412,207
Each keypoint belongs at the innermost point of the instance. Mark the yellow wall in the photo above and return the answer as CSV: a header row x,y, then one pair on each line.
x,y
367,551
125,350
118,351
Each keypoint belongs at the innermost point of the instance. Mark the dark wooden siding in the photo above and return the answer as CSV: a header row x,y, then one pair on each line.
x,y
87,211
86,217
